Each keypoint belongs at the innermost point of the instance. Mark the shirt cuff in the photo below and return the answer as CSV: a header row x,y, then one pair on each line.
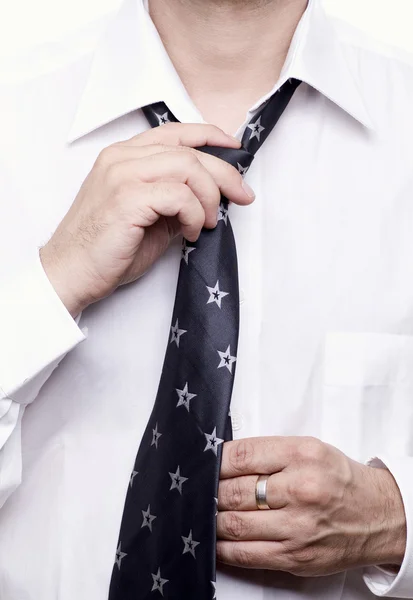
x,y
380,580
36,331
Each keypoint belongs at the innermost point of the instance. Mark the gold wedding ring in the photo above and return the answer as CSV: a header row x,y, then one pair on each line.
x,y
261,492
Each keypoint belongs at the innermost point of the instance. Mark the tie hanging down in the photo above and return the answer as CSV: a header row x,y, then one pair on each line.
x,y
167,540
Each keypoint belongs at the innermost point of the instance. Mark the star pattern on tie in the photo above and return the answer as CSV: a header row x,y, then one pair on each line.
x,y
190,544
215,294
226,359
256,129
223,213
184,397
119,556
132,477
156,435
158,582
147,518
212,442
176,333
242,170
159,541
186,251
177,480
163,119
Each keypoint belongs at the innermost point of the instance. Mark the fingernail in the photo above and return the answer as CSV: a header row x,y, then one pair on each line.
x,y
248,190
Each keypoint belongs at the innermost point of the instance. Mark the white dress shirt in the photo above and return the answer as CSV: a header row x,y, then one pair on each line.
x,y
326,275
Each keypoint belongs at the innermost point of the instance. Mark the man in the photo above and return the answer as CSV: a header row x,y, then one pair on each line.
x,y
323,391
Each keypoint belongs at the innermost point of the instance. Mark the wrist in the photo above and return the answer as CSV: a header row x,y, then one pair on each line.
x,y
387,533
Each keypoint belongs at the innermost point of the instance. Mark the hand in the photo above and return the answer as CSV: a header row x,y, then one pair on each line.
x,y
139,195
329,514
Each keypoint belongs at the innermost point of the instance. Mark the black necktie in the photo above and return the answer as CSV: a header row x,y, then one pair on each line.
x,y
167,540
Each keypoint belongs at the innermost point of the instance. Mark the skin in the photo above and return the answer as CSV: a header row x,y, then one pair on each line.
x,y
228,53
329,513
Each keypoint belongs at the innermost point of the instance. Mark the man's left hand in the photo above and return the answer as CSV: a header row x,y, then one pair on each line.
x,y
328,512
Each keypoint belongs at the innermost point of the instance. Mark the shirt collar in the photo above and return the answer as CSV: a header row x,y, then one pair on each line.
x,y
131,68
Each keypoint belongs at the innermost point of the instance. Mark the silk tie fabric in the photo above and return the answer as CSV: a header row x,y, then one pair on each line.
x,y
167,540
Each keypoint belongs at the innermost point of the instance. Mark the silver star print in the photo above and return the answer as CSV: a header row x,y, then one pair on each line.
x,y
163,118
147,518
226,359
223,214
186,251
156,436
119,556
242,170
212,442
256,129
177,480
184,397
158,582
215,294
190,544
176,333
214,585
216,506
132,477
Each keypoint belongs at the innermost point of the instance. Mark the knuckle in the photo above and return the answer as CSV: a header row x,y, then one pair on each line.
x,y
214,128
214,197
301,561
184,193
189,158
311,449
312,491
122,191
233,495
241,455
234,525
107,156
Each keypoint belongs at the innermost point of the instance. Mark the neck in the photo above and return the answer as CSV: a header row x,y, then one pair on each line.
x,y
226,49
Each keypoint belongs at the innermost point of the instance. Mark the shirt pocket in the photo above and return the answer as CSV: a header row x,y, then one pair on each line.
x,y
367,393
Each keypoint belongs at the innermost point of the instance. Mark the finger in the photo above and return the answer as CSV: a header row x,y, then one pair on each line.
x,y
253,555
253,525
249,456
167,199
177,159
177,167
227,177
238,493
185,134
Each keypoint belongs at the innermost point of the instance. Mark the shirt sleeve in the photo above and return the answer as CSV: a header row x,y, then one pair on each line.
x,y
36,331
382,581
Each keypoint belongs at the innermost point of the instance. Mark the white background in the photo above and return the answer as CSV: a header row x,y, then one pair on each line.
x,y
28,23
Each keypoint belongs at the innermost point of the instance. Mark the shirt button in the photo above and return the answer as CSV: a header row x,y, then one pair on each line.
x,y
237,421
241,296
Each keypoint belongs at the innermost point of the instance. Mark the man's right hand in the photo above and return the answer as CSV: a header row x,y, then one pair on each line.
x,y
139,195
